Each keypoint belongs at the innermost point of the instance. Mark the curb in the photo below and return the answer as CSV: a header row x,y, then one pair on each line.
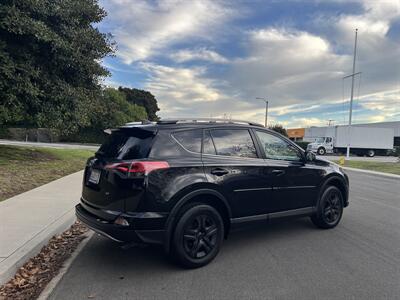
x,y
372,172
10,265
48,290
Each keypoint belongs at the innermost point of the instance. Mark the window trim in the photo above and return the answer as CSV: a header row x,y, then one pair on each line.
x,y
255,143
212,141
183,147
288,141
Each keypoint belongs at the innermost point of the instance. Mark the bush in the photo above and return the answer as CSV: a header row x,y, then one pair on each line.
x,y
4,134
302,144
46,135
395,151
85,136
279,128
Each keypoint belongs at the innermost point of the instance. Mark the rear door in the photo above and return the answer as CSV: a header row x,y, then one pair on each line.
x,y
107,188
232,162
294,182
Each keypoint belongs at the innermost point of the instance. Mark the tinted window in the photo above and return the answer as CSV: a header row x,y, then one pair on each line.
x,y
127,145
165,146
231,142
277,148
190,139
208,144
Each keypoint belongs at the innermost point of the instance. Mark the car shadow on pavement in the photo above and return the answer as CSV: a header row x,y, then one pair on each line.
x,y
104,267
150,257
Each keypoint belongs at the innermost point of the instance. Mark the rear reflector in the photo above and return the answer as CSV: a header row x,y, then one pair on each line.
x,y
139,167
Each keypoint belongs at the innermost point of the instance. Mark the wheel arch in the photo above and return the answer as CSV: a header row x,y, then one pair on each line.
x,y
206,196
337,181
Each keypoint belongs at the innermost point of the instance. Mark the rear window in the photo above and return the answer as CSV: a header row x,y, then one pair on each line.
x,y
127,145
190,139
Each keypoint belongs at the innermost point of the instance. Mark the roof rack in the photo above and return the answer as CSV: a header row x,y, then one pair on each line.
x,y
207,120
143,122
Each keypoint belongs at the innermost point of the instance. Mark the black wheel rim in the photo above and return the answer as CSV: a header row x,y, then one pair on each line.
x,y
332,207
200,236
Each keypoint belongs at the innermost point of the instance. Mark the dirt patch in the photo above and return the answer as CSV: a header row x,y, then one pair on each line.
x,y
34,275
22,154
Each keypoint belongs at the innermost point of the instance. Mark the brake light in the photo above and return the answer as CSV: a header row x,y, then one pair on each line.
x,y
139,167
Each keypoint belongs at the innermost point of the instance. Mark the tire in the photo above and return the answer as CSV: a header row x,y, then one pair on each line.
x,y
197,236
321,151
330,208
371,153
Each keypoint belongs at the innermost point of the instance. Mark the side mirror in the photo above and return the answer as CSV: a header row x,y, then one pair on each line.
x,y
310,156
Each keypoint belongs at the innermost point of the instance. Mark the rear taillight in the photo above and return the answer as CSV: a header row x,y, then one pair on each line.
x,y
138,168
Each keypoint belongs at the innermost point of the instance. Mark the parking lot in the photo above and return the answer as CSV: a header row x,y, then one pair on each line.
x,y
288,259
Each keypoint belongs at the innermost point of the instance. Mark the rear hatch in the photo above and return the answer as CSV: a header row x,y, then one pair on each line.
x,y
107,184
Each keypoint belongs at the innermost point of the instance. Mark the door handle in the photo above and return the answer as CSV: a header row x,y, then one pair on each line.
x,y
219,172
278,172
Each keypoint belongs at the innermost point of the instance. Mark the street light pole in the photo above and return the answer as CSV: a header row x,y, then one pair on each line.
x,y
266,110
351,98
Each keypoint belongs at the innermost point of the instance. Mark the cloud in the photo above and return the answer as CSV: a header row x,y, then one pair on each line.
x,y
299,69
203,54
289,67
291,109
181,87
142,28
304,122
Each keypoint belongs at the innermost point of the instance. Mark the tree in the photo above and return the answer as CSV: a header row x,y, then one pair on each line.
x,y
142,98
111,111
114,110
49,62
279,128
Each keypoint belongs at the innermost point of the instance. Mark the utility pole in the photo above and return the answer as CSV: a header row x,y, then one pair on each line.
x,y
330,121
266,110
351,97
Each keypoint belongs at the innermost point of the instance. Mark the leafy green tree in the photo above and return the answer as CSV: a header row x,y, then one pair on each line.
x,y
49,62
142,98
111,110
279,128
114,110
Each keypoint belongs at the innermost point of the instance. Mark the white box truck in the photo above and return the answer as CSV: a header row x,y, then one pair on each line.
x,y
363,140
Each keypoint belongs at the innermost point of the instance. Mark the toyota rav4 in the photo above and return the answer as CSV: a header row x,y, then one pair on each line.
x,y
186,184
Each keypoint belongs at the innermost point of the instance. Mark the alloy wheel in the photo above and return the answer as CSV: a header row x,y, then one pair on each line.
x,y
332,207
200,236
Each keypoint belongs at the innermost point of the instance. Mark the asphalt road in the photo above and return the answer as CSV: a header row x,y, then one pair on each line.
x,y
359,259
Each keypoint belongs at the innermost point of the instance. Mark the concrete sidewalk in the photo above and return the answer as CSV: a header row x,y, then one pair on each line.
x,y
30,219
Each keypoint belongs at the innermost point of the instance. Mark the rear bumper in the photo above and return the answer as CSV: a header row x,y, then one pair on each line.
x,y
121,233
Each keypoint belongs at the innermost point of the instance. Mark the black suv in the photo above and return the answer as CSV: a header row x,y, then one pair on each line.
x,y
186,183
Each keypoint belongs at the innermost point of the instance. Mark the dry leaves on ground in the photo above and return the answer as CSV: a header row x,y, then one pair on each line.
x,y
33,276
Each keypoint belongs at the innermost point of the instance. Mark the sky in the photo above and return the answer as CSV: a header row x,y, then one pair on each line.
x,y
213,58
